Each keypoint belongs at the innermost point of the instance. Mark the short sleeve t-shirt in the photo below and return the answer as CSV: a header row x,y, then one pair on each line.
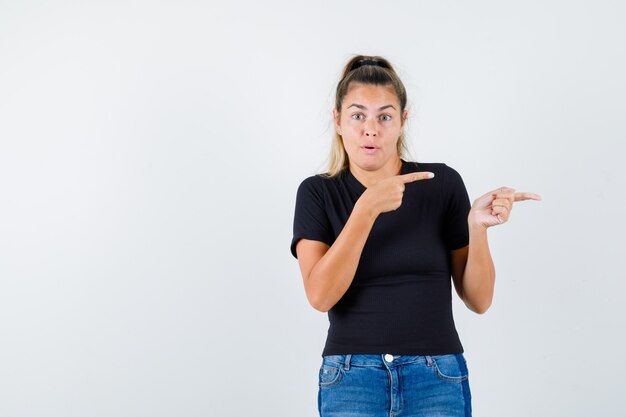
x,y
400,299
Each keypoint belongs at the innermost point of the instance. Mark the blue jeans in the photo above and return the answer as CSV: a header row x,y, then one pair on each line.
x,y
385,385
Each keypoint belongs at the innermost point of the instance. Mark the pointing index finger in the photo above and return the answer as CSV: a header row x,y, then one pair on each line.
x,y
526,196
416,176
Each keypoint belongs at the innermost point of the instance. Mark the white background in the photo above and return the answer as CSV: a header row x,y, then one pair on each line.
x,y
149,159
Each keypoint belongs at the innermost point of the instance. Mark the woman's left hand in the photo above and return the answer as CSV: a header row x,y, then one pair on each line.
x,y
495,207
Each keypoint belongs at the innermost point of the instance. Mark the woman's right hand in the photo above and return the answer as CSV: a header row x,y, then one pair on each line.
x,y
386,195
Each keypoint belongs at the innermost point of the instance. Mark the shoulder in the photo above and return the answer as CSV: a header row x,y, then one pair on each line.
x,y
316,181
447,181
451,174
315,185
438,168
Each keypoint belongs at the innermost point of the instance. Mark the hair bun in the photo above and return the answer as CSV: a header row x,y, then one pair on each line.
x,y
368,61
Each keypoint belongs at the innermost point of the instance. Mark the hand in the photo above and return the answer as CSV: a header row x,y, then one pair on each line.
x,y
386,195
495,207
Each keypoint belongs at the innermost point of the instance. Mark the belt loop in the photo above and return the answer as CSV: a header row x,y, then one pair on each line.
x,y
429,360
346,363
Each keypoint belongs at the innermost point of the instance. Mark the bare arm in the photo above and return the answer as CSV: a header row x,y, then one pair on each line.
x,y
329,271
473,272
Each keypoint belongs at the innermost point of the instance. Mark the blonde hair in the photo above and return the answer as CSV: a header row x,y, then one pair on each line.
x,y
378,72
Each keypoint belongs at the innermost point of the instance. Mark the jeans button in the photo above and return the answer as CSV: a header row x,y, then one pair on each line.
x,y
389,358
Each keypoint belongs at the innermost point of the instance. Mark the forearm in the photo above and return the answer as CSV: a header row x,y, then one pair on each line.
x,y
331,277
479,275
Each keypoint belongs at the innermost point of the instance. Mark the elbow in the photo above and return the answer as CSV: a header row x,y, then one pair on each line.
x,y
319,299
318,304
477,307
313,297
321,309
481,308
322,306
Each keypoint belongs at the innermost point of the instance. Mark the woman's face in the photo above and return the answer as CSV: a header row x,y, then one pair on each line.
x,y
370,125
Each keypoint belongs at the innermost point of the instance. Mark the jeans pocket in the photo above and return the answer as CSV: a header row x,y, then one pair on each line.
x,y
451,368
330,374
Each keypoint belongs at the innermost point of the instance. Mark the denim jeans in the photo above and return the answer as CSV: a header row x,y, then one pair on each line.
x,y
385,385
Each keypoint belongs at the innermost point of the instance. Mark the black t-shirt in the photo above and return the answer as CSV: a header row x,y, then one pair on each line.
x,y
400,300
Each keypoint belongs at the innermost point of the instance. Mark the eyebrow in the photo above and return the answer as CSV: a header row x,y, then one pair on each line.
x,y
362,107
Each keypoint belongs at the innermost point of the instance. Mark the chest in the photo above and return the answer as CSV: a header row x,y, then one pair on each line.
x,y
406,241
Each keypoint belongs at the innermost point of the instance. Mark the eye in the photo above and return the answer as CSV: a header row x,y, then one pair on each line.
x,y
357,114
386,115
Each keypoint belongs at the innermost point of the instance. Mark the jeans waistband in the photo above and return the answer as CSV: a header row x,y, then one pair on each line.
x,y
382,360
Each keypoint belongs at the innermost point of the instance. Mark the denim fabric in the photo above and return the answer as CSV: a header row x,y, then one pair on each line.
x,y
385,385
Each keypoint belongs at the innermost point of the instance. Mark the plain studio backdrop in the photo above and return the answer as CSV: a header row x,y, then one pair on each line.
x,y
149,161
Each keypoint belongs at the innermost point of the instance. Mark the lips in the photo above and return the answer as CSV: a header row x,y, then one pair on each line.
x,y
370,149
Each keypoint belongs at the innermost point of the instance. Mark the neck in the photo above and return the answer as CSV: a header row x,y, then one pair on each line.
x,y
369,178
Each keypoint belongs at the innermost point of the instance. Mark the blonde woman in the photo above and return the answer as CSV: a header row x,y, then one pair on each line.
x,y
380,240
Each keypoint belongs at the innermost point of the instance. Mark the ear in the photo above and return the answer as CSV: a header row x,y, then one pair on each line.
x,y
405,115
336,119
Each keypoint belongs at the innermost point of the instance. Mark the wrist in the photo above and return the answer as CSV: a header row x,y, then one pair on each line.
x,y
473,224
476,228
364,209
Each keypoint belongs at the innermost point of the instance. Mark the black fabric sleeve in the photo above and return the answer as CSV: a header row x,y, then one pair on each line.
x,y
457,206
310,219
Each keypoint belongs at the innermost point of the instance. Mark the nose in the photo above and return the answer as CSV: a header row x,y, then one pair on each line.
x,y
370,128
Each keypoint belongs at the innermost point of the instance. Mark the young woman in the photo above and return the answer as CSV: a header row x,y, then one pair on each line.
x,y
379,239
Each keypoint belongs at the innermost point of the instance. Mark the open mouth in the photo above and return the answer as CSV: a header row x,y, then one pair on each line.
x,y
370,150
